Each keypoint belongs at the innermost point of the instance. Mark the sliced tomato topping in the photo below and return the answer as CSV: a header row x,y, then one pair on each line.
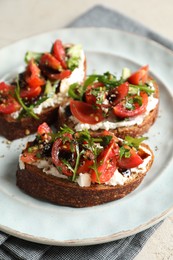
x,y
49,60
140,76
8,104
89,96
122,111
33,75
62,151
118,93
59,53
30,93
85,167
107,163
130,162
5,88
28,157
59,76
86,113
44,131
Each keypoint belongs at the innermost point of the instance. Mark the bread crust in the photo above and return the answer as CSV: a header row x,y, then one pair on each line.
x,y
134,130
13,128
40,185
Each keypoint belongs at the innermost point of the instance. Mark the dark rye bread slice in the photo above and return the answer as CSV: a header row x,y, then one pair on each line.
x,y
134,130
38,184
13,128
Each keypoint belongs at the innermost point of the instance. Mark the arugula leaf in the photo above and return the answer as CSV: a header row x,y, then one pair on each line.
x,y
134,142
90,80
135,89
124,152
76,91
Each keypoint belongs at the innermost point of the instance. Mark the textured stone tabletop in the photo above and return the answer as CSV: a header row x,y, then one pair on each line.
x,y
23,18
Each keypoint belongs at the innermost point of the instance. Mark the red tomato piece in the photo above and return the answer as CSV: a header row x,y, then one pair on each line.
x,y
30,93
59,76
8,104
118,93
33,75
44,131
107,163
49,60
140,76
133,161
89,97
85,167
86,113
121,111
27,157
5,88
59,53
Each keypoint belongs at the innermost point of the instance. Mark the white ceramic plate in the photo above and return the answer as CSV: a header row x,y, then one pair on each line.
x,y
39,221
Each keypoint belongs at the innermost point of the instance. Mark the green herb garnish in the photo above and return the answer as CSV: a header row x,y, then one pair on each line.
x,y
134,142
29,110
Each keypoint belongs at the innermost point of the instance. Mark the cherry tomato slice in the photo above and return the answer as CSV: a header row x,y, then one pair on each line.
x,y
27,157
140,76
8,104
86,113
118,93
89,97
30,92
133,161
44,131
5,88
49,60
33,75
59,76
59,53
85,167
62,149
107,161
121,111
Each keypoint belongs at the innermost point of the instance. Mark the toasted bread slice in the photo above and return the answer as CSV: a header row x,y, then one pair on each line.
x,y
37,183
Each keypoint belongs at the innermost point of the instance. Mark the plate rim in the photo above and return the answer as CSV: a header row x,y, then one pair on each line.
x,y
105,239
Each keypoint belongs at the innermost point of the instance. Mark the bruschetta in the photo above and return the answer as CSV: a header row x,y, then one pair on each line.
x,y
126,106
82,169
34,96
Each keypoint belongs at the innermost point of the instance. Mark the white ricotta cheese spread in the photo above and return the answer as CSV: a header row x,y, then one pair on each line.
x,y
107,125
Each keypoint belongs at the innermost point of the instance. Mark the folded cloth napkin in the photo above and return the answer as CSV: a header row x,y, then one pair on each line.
x,y
123,249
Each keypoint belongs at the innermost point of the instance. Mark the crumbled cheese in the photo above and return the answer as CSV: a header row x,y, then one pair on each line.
x,y
21,163
84,179
49,168
116,179
50,102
